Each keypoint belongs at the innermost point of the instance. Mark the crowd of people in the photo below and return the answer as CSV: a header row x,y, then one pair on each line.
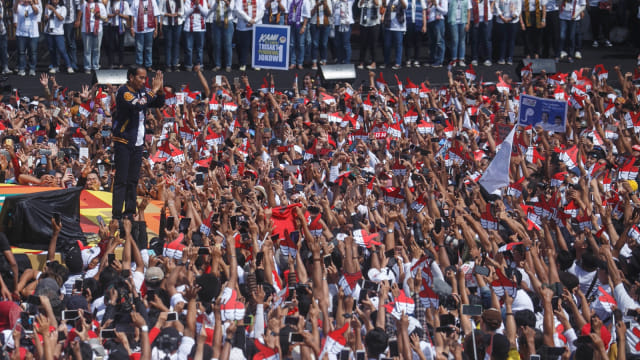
x,y
414,33
333,222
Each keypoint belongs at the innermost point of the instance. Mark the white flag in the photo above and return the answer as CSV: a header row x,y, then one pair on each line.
x,y
497,174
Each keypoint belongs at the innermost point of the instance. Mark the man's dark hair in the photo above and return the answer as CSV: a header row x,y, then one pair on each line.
x,y
525,318
375,342
133,70
85,352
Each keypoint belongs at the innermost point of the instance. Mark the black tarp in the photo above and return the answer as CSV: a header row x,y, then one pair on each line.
x,y
26,219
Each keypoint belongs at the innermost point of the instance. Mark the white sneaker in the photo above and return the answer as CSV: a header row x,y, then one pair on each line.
x,y
52,70
6,71
474,62
595,44
578,55
70,70
607,43
408,63
21,73
32,73
416,63
256,69
242,68
487,63
461,63
563,54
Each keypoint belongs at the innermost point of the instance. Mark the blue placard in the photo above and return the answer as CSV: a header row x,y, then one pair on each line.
x,y
549,113
270,47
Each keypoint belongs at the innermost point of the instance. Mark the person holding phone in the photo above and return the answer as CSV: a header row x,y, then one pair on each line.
x,y
132,102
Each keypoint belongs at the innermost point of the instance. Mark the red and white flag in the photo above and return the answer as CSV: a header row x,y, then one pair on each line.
x,y
364,239
85,109
634,233
600,72
428,297
559,93
380,83
231,308
335,341
470,73
411,116
265,352
526,70
509,246
503,285
502,86
412,88
327,99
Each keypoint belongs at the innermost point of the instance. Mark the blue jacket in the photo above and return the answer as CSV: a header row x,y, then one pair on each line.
x,y
130,104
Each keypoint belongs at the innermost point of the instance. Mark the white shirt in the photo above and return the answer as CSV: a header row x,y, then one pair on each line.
x,y
54,26
171,7
93,8
305,11
395,25
571,10
585,278
532,5
342,14
194,16
508,9
481,4
319,14
438,11
122,7
244,15
72,6
220,9
144,4
371,11
27,20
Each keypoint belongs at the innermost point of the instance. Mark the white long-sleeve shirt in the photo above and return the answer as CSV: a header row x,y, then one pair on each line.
x,y
96,7
244,10
171,7
144,4
508,9
220,9
27,20
571,10
438,11
54,26
195,15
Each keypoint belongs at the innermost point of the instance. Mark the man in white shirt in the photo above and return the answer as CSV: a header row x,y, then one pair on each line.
x,y
91,15
248,12
145,20
54,16
26,17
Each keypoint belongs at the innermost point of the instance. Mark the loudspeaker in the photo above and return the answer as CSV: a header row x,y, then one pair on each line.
x,y
537,65
112,77
339,72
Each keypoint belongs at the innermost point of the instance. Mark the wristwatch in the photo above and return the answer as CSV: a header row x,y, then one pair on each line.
x,y
144,328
